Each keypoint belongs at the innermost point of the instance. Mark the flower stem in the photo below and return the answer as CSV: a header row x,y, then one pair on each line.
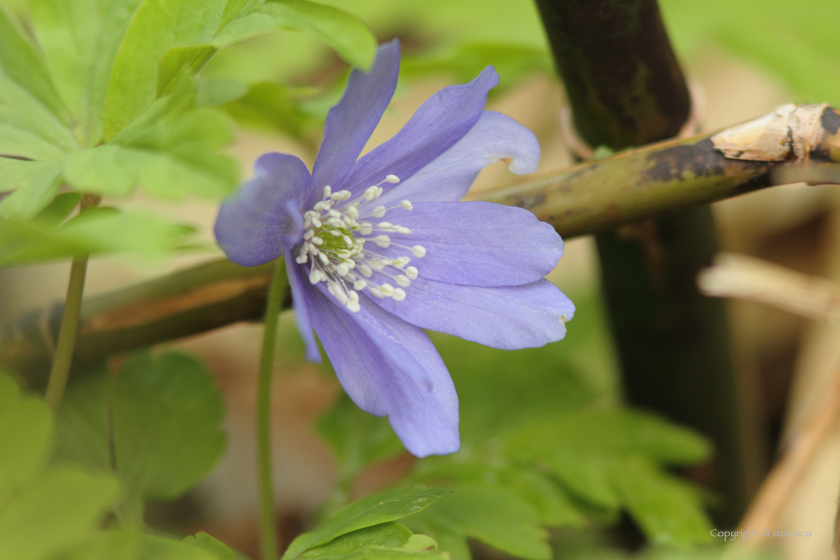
x,y
268,525
69,322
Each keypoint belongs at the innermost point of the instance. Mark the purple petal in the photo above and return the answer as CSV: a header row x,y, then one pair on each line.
x,y
298,282
436,126
350,123
477,243
494,137
509,317
263,218
389,367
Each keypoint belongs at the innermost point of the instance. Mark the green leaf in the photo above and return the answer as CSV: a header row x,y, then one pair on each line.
x,y
449,539
264,105
96,231
80,40
390,535
380,542
216,92
82,429
250,26
53,512
357,438
107,545
667,509
214,547
23,117
167,416
116,171
494,515
157,27
159,548
37,183
367,512
341,31
587,475
612,432
171,156
554,506
23,64
25,434
9,391
58,210
23,144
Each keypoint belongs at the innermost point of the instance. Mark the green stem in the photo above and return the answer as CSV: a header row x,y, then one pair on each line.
x,y
69,322
268,525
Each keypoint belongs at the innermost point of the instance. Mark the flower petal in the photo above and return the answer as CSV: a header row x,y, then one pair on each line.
x,y
477,243
509,318
350,123
494,137
297,282
438,124
263,218
389,367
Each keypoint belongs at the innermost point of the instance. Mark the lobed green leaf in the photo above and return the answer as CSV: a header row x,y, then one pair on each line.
x,y
53,512
25,435
80,40
494,515
167,433
96,231
367,512
23,64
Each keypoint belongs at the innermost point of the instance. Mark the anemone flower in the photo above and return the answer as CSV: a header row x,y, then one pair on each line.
x,y
379,248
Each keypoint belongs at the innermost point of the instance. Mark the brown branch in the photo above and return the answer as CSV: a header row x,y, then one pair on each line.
x,y
590,197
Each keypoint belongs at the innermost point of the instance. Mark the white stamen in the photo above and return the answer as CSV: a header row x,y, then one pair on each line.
x,y
335,240
387,290
314,276
371,193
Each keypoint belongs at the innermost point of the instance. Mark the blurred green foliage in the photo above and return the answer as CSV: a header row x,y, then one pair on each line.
x,y
89,103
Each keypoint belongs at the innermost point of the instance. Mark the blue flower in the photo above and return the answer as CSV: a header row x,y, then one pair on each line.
x,y
378,248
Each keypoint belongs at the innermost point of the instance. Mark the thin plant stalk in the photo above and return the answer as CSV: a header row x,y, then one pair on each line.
x,y
66,344
268,524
